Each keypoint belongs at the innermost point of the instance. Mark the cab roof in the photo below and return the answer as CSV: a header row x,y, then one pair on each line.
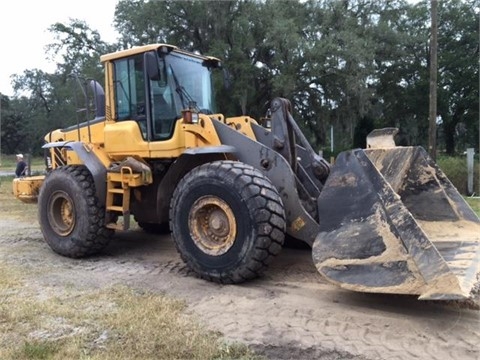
x,y
144,48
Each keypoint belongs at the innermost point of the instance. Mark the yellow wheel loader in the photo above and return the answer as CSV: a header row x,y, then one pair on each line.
x,y
383,219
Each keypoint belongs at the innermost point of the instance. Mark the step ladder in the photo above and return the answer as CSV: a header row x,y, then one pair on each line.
x,y
118,198
121,178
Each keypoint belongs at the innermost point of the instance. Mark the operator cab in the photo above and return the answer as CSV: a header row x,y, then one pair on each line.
x,y
153,86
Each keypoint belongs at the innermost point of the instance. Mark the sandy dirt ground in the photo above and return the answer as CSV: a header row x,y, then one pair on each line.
x,y
290,313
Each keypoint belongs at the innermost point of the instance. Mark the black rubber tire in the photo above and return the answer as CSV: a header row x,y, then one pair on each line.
x,y
70,190
152,228
258,214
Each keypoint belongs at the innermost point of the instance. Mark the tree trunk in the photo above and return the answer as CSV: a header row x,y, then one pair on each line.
x,y
432,129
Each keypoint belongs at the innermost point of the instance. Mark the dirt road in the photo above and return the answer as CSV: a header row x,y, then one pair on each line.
x,y
291,313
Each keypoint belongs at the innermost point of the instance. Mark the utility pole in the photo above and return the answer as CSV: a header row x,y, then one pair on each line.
x,y
432,128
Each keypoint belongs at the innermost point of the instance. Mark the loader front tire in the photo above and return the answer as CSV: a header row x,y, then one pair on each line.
x,y
70,217
227,221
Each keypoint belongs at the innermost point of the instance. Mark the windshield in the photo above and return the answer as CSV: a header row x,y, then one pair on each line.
x,y
189,81
155,93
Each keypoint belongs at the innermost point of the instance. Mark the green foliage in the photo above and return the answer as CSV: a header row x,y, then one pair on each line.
x,y
13,127
51,100
339,62
39,350
80,48
474,204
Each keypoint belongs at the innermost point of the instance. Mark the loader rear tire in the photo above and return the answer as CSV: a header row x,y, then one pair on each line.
x,y
227,221
70,216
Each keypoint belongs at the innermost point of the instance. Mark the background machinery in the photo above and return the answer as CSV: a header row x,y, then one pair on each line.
x,y
382,219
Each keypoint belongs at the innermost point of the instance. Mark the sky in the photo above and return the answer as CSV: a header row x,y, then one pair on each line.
x,y
24,31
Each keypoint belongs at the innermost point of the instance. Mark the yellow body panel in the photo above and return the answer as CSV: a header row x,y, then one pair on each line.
x,y
130,179
27,189
72,157
243,124
94,135
201,134
124,138
170,148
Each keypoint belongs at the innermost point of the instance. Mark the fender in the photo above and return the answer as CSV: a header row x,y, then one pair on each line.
x,y
91,161
300,223
190,159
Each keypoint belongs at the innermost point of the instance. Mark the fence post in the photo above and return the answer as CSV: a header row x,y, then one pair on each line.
x,y
470,155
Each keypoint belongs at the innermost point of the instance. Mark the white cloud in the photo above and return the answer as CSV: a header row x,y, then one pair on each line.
x,y
24,31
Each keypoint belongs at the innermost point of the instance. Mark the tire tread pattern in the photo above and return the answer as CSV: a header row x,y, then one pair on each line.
x,y
261,198
97,235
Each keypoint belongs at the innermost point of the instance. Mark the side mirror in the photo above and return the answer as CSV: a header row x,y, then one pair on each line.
x,y
155,69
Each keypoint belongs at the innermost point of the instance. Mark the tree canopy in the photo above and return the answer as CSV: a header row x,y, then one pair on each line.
x,y
346,65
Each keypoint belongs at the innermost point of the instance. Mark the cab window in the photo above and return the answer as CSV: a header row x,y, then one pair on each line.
x,y
129,89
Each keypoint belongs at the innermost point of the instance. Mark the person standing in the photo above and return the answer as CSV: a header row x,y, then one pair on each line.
x,y
21,166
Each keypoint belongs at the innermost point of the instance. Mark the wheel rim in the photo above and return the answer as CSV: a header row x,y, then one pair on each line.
x,y
212,225
61,213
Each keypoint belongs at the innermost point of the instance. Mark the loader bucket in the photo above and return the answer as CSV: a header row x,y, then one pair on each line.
x,y
391,222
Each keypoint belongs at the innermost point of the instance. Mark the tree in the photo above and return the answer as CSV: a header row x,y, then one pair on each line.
x,y
350,64
228,30
432,128
51,100
78,49
13,127
458,71
404,77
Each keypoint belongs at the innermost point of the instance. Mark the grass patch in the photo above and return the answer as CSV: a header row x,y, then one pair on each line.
x,y
455,167
9,163
474,204
112,323
12,206
65,322
39,350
